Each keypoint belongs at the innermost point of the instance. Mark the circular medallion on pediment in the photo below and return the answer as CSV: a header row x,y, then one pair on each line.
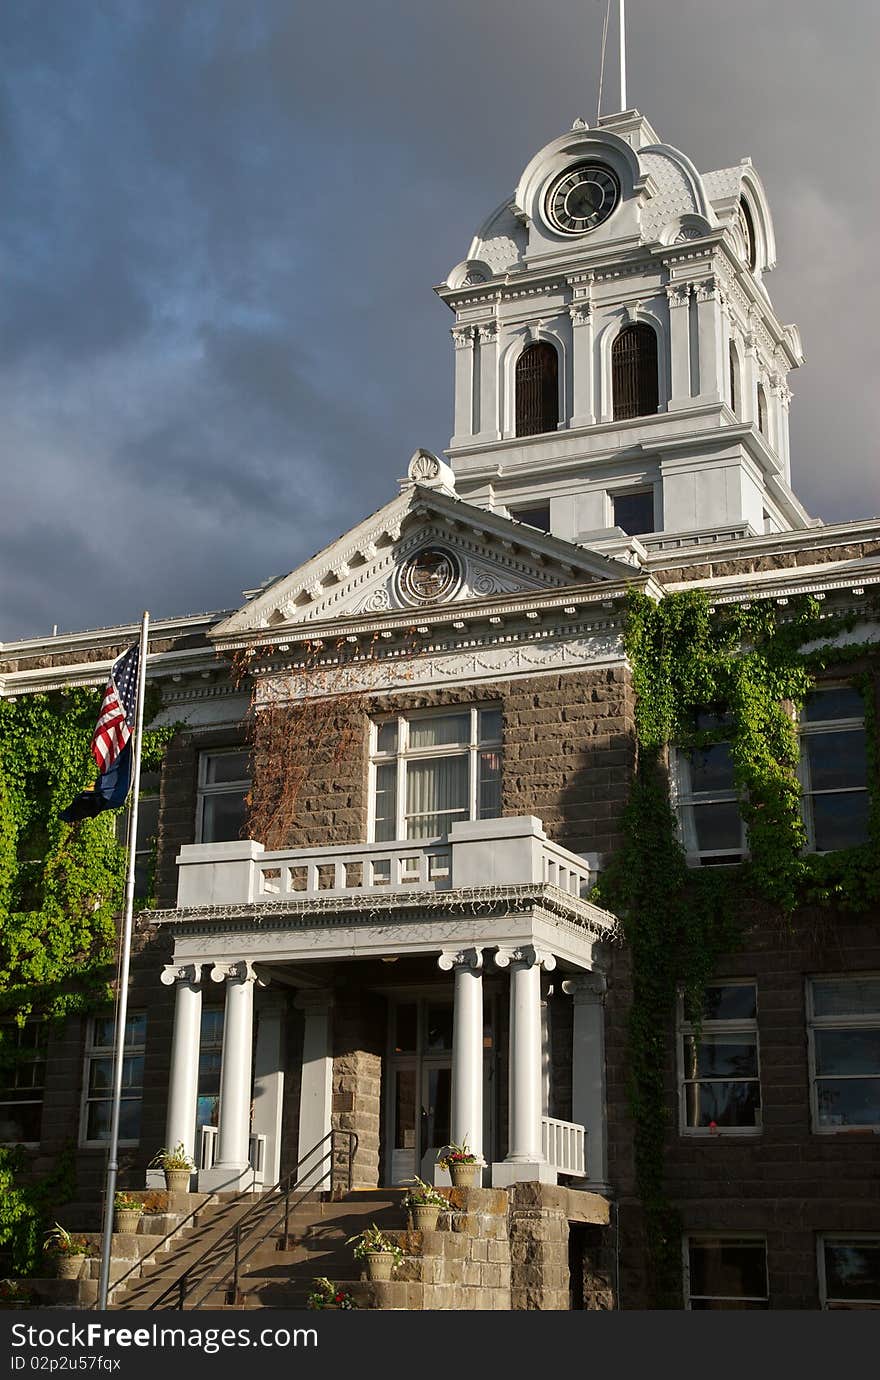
x,y
427,577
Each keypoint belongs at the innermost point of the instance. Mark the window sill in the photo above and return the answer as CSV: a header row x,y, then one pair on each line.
x,y
702,1133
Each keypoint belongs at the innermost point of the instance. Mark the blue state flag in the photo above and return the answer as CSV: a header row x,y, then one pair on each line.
x,y
108,792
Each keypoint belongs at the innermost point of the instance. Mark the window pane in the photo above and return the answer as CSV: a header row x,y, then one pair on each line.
x,y
534,517
727,1104
718,827
436,795
721,1056
405,1109
728,1267
20,1121
209,1073
490,785
852,1270
227,766
440,731
386,736
438,1129
100,1075
490,725
836,761
439,1028
129,1120
223,817
103,1031
843,702
211,1028
730,1002
847,1051
386,802
407,1028
634,513
848,1101
840,821
846,996
712,769
148,821
712,720
98,1122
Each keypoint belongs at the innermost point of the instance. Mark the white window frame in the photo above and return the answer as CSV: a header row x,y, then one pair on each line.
x,y
734,1238
207,789
404,754
840,1238
854,1022
96,1051
727,1027
33,1022
683,801
815,728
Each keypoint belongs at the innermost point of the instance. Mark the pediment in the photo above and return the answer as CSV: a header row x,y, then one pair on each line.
x,y
422,550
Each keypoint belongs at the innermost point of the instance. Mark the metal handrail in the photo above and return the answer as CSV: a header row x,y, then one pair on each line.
x,y
253,1218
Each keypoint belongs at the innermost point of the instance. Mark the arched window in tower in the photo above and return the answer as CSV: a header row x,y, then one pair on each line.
x,y
762,410
747,231
733,358
634,372
537,390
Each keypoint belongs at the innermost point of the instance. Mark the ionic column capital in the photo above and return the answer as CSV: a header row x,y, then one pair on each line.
x,y
586,987
190,973
527,956
241,971
461,958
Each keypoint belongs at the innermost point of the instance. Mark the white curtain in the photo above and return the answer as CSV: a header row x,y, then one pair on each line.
x,y
436,795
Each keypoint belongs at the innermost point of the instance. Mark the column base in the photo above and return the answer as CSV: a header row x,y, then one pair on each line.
x,y
507,1172
227,1178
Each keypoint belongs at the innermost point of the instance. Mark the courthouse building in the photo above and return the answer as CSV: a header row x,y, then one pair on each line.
x,y
410,950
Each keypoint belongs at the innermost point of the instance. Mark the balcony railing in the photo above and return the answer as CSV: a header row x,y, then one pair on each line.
x,y
256,1151
563,1144
478,853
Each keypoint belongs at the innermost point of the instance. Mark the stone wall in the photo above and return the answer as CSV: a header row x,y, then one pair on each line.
x,y
359,1027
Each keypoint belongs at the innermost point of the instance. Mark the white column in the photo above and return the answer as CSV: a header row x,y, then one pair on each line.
x,y
180,1126
524,1160
466,1118
463,338
269,1064
231,1168
488,382
588,1105
581,314
678,296
316,1086
750,371
709,334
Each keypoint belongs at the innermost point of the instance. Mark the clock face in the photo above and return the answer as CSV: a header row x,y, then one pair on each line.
x,y
582,198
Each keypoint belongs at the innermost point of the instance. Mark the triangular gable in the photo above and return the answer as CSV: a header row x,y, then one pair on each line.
x,y
367,569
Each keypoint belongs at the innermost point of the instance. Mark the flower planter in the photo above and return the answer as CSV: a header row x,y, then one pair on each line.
x,y
126,1221
379,1264
464,1174
177,1180
69,1266
424,1216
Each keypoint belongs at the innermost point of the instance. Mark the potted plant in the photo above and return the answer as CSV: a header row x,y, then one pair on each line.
x,y
15,1294
176,1165
462,1165
424,1204
128,1212
325,1294
382,1255
67,1251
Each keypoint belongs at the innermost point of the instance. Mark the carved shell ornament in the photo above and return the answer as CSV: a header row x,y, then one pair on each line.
x,y
427,577
423,467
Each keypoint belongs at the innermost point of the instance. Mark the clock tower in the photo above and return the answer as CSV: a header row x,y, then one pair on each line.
x,y
620,371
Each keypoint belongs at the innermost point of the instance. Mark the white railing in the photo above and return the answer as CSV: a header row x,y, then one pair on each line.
x,y
476,853
256,1151
564,1144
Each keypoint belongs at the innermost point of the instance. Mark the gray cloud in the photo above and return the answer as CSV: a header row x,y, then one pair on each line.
x,y
221,225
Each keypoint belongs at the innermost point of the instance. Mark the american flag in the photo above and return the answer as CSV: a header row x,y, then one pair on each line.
x,y
118,708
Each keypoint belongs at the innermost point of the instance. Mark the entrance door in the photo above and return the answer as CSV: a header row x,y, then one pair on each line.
x,y
435,1113
420,1087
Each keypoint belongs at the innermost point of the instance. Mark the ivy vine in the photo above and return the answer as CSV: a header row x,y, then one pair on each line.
x,y
737,674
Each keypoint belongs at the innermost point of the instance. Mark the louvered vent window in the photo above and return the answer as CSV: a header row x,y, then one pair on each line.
x,y
634,372
537,390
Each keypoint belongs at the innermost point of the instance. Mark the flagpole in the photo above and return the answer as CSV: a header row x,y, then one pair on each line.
x,y
122,996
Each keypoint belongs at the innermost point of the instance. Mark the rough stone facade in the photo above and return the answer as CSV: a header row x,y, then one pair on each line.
x,y
359,1026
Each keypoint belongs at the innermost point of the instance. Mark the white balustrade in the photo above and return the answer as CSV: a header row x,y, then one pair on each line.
x,y
566,871
563,1145
256,1151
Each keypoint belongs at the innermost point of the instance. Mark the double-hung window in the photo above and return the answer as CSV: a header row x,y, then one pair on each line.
x,y
710,824
722,1272
433,769
22,1080
224,782
147,831
98,1081
849,1271
843,1023
719,1073
834,769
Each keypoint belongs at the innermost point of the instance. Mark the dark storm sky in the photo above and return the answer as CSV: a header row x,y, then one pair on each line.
x,y
221,221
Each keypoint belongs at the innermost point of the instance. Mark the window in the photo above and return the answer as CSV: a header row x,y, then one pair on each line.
x,y
98,1081
537,390
535,517
634,513
733,366
224,781
147,831
430,770
849,1271
711,826
719,1078
762,411
843,1019
725,1272
834,773
22,1080
210,1054
634,372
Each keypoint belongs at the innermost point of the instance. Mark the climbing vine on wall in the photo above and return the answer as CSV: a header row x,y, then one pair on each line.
x,y
737,674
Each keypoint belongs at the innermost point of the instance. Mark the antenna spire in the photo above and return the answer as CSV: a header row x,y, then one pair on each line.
x,y
623,54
